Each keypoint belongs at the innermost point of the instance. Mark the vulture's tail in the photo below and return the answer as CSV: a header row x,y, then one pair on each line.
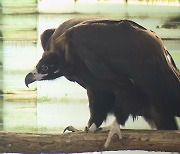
x,y
163,118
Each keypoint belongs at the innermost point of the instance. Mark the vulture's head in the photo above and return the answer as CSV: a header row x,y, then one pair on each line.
x,y
48,68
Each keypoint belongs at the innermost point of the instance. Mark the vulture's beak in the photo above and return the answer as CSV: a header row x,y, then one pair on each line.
x,y
29,79
34,76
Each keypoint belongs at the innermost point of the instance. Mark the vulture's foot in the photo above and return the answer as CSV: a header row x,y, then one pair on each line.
x,y
114,129
92,128
71,129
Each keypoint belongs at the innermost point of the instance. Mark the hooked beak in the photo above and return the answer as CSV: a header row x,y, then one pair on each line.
x,y
30,78
33,76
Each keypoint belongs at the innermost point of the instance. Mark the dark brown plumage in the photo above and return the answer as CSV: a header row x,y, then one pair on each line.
x,y
124,67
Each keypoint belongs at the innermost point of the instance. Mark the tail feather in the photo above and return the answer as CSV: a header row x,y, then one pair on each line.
x,y
161,120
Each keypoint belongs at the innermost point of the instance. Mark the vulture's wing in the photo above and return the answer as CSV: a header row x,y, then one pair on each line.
x,y
122,50
45,36
49,35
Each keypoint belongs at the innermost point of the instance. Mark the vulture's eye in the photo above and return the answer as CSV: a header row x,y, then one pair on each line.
x,y
44,68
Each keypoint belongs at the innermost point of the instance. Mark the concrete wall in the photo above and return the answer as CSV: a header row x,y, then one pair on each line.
x,y
81,6
1,59
1,80
18,6
19,27
1,67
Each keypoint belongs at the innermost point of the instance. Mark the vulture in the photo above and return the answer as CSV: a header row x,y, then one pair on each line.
x,y
124,67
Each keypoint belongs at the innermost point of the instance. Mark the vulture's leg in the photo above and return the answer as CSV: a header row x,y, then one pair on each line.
x,y
114,129
100,104
121,115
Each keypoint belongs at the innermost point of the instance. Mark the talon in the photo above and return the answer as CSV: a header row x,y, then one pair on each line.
x,y
92,128
86,129
71,129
